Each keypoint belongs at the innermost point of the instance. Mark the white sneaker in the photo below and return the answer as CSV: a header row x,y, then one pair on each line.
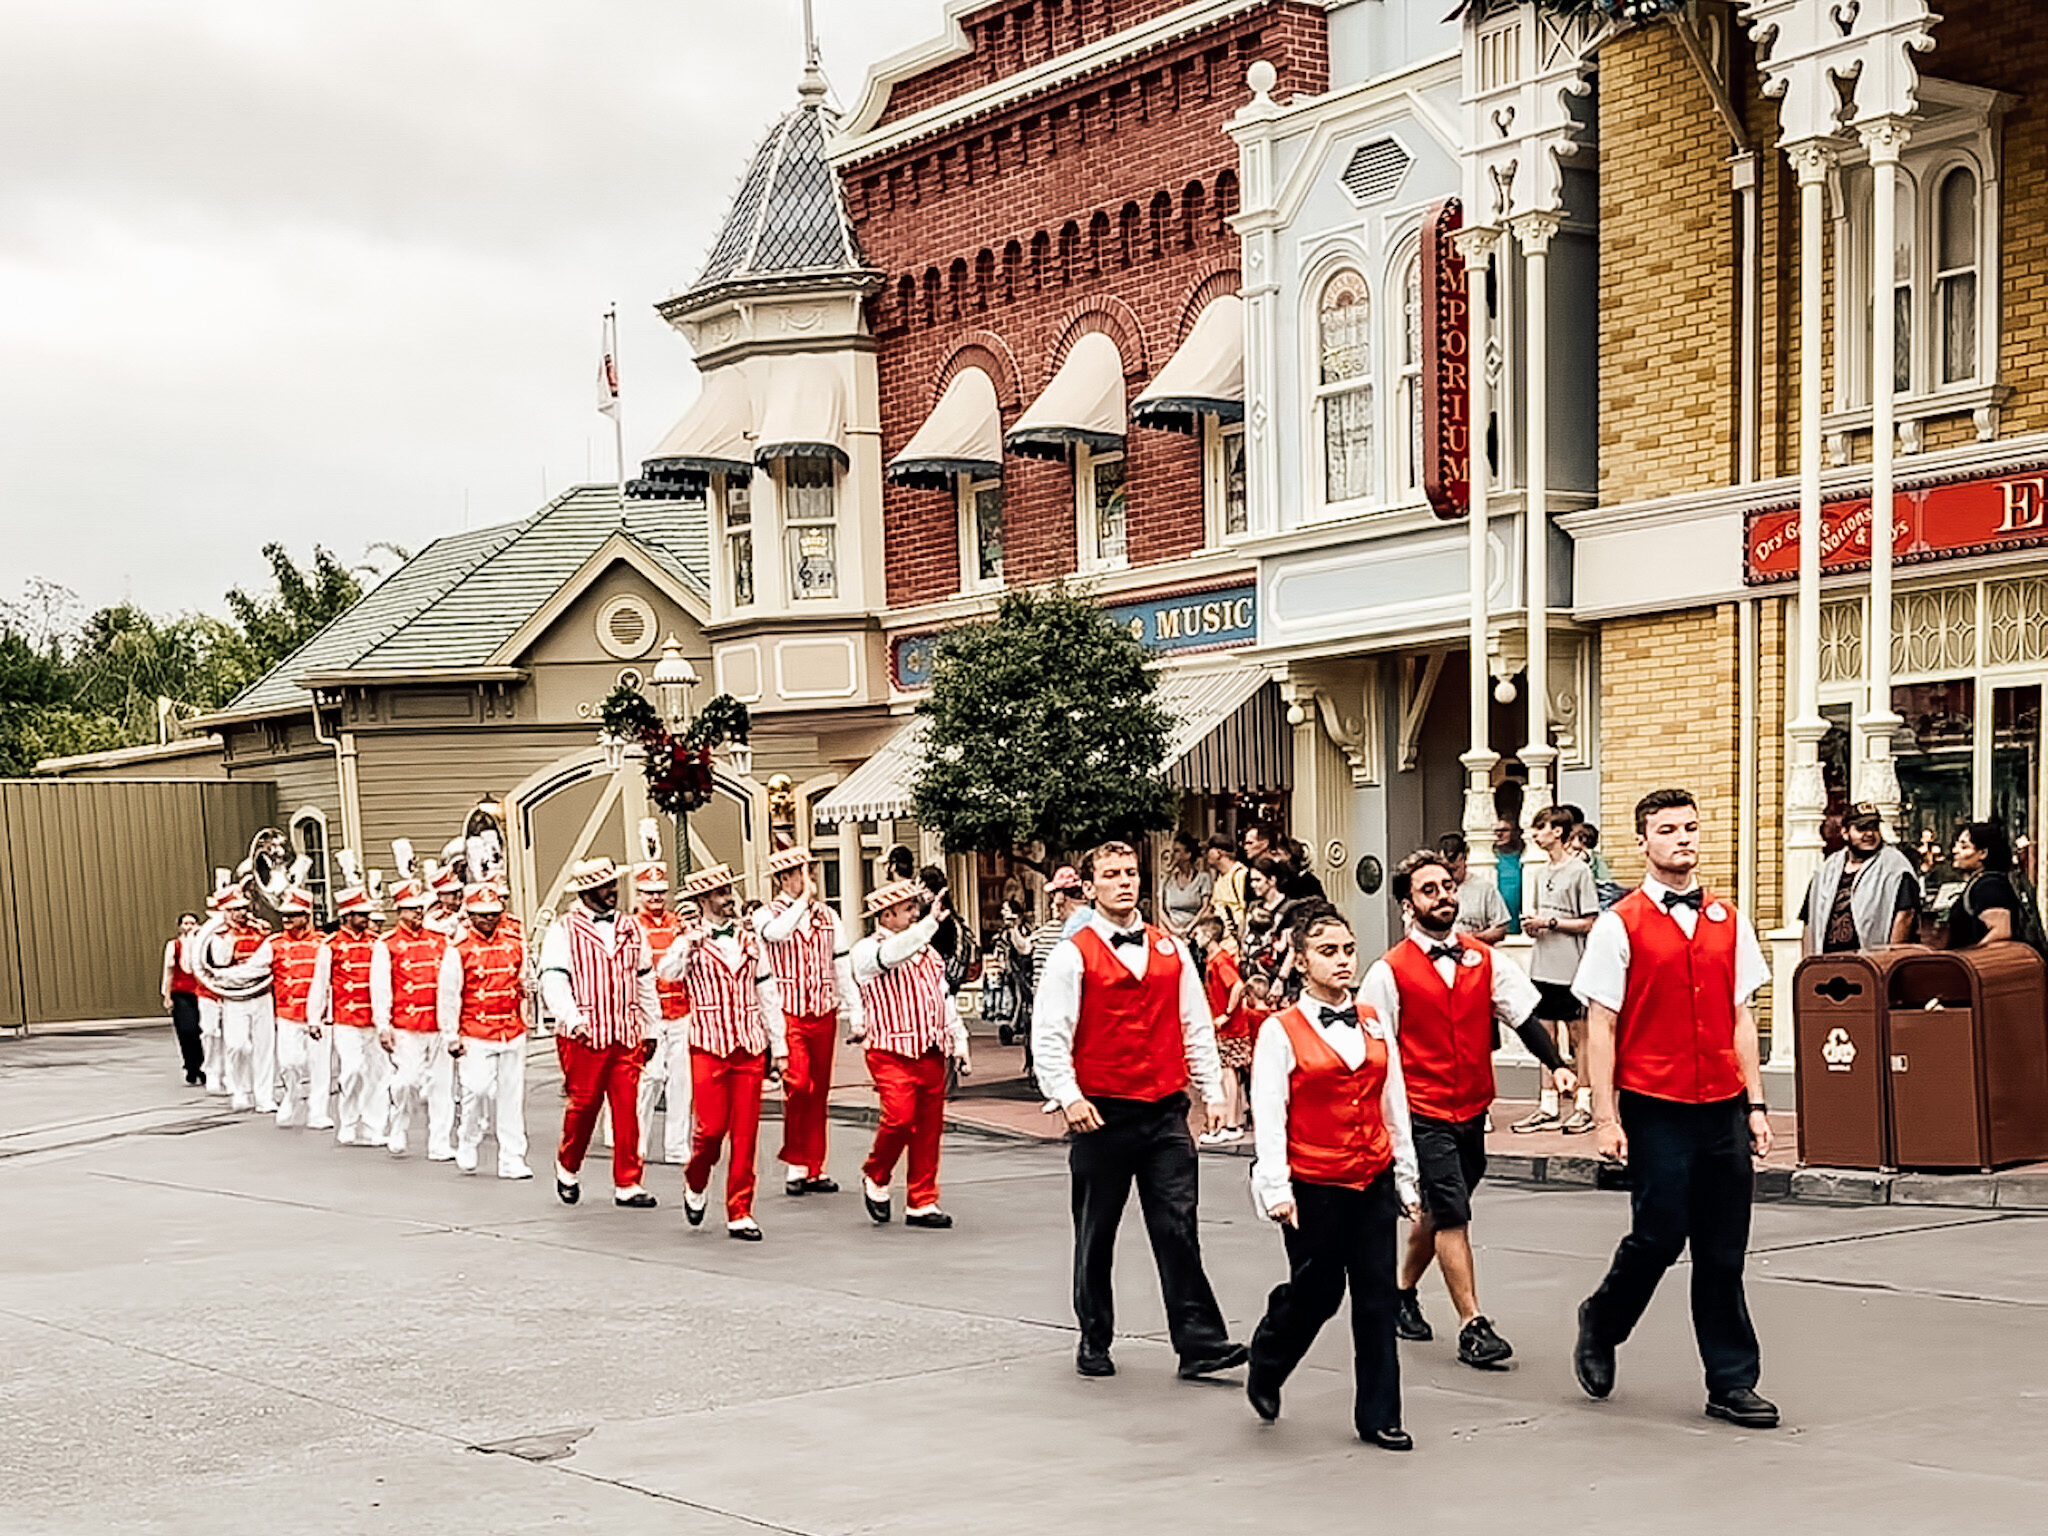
x,y
514,1171
440,1154
464,1159
346,1136
322,1124
239,1102
396,1142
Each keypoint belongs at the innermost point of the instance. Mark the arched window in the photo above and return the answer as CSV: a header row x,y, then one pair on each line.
x,y
1191,214
1013,262
1955,274
1344,387
1127,246
1070,251
309,840
956,289
1162,219
1226,203
1098,243
1411,376
931,295
984,277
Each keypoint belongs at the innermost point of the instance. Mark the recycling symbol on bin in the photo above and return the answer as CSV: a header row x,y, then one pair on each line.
x,y
1838,1050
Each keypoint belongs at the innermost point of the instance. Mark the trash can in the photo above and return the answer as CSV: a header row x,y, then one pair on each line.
x,y
1838,1035
1967,1050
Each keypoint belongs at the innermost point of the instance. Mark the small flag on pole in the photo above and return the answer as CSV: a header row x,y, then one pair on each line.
x,y
608,369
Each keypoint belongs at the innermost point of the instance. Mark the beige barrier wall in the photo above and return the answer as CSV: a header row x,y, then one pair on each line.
x,y
93,874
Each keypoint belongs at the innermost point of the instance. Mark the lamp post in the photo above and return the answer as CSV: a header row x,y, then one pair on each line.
x,y
673,680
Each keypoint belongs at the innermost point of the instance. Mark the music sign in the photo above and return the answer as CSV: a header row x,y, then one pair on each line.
x,y
1931,520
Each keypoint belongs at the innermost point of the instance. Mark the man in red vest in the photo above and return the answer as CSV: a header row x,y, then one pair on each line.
x,y
490,1037
416,996
809,953
303,1049
736,1039
1446,995
907,1019
340,1002
241,950
1120,1026
1671,1051
1336,1166
668,1069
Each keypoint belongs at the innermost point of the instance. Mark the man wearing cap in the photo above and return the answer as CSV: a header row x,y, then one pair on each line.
x,y
489,1043
240,951
340,1003
911,1027
303,1050
736,1037
668,1069
807,950
416,997
1865,894
597,980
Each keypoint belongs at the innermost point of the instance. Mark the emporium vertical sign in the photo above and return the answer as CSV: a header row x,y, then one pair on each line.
x,y
1446,365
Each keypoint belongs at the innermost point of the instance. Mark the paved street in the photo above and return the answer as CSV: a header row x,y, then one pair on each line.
x,y
213,1326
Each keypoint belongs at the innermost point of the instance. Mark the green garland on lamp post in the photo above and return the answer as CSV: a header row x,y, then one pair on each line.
x,y
677,765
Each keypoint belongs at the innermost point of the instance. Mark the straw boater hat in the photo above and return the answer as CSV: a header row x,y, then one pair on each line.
x,y
407,893
651,876
295,901
790,858
717,878
589,874
894,894
482,899
354,899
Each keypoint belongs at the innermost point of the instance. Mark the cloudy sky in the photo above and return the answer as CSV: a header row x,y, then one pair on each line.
x,y
334,269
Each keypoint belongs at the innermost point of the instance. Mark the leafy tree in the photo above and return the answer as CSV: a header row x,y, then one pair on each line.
x,y
305,603
1042,727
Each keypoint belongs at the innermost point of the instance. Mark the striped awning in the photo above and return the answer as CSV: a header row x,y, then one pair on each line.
x,y
879,789
1232,737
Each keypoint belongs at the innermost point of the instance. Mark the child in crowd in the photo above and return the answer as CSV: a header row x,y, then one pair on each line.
x,y
1223,981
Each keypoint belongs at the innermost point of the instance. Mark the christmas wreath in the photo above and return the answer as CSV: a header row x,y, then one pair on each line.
x,y
678,767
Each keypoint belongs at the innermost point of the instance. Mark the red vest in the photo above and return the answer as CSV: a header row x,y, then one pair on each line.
x,y
1335,1131
661,932
1446,1032
493,989
348,978
1676,1034
1222,978
415,978
244,942
291,974
1128,1042
183,980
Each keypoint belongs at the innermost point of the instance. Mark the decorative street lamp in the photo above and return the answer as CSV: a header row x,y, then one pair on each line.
x,y
673,679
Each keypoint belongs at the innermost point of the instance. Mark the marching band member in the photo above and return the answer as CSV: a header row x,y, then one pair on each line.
x,y
445,914
304,1052
489,1042
598,983
213,1062
416,998
736,1038
340,1002
669,1068
240,950
911,1027
807,950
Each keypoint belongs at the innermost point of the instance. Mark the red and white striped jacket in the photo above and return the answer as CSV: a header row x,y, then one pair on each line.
x,y
909,1012
605,978
805,963
725,1007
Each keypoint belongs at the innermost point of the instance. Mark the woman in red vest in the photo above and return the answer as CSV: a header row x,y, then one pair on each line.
x,y
181,1000
1671,1051
1336,1167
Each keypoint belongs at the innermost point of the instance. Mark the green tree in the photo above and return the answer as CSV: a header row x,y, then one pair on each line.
x,y
1042,727
305,602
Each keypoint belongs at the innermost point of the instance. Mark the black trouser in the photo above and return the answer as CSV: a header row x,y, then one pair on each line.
x,y
185,1020
1344,1236
1690,1164
1147,1142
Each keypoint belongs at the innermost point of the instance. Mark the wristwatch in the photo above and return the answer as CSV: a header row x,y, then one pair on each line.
x,y
1756,1107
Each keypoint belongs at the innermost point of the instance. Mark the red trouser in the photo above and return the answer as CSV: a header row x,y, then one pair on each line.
x,y
913,1095
725,1096
806,1084
594,1075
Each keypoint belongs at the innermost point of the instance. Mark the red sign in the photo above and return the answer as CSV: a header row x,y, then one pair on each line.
x,y
1446,371
1933,519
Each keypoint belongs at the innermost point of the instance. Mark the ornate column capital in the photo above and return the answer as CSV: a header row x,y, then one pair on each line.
x,y
1533,231
1812,160
1476,243
1884,138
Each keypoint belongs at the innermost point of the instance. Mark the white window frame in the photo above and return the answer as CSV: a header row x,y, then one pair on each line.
x,y
968,490
792,528
730,535
1321,393
320,878
1217,435
1086,461
1404,354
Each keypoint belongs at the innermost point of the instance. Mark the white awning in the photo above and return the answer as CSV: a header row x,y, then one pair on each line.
x,y
711,439
805,412
879,789
962,436
1230,735
1205,377
1084,403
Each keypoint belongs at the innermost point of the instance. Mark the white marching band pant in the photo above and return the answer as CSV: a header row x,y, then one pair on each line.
x,y
306,1067
493,1078
363,1103
670,1068
215,1066
416,1057
249,1044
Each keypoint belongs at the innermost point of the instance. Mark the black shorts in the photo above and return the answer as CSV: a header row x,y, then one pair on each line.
x,y
1450,1156
1560,1004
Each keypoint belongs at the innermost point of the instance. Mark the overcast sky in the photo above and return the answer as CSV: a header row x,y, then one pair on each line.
x,y
334,269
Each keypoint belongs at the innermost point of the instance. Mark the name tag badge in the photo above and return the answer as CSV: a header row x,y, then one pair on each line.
x,y
1166,946
1717,913
1470,957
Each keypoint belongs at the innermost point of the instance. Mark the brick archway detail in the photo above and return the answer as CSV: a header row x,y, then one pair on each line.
x,y
1219,284
1113,318
992,355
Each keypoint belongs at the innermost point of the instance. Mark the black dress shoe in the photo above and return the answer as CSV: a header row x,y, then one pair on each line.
x,y
939,1221
694,1214
1480,1347
1225,1357
569,1193
639,1200
795,1187
1592,1361
878,1210
744,1234
1093,1362
1395,1439
1263,1395
821,1186
1409,1323
1741,1405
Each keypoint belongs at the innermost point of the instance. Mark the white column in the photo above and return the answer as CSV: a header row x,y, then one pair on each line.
x,y
1876,779
1477,246
852,876
1533,232
1805,791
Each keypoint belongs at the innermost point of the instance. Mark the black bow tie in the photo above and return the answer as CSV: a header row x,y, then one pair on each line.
x,y
603,917
1135,936
1333,1017
1450,952
1676,899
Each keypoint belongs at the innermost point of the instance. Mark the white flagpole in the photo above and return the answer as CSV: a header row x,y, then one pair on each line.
x,y
618,411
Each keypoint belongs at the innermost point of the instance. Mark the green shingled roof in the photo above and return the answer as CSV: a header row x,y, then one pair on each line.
x,y
462,597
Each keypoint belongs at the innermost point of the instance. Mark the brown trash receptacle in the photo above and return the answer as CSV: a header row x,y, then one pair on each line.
x,y
1838,1029
1968,1056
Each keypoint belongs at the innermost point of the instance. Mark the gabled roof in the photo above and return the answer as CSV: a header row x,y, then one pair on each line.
x,y
454,604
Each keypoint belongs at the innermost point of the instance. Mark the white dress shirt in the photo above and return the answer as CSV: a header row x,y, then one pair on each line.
x,y
1603,971
1057,1009
1273,1065
561,999
1514,995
